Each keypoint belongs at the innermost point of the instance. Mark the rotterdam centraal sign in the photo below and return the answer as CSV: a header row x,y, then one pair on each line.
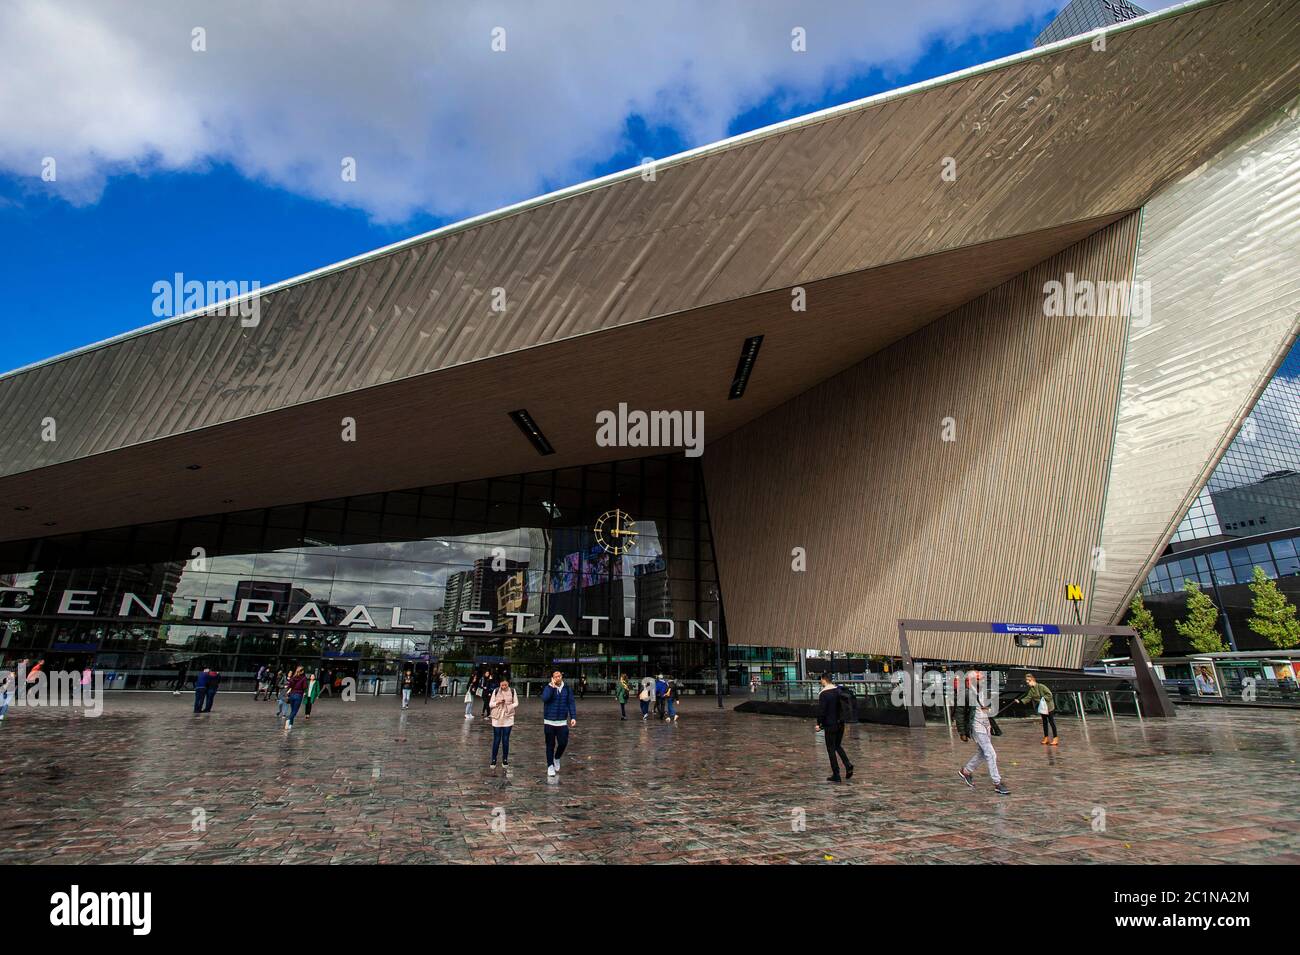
x,y
86,603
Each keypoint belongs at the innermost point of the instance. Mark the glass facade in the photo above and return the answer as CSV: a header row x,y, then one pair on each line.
x,y
515,568
1256,487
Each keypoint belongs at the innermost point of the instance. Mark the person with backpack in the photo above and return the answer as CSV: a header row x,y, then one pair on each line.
x,y
504,702
646,696
834,711
1041,698
978,724
661,697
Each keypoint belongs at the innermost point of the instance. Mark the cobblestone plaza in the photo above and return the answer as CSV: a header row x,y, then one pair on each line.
x,y
366,782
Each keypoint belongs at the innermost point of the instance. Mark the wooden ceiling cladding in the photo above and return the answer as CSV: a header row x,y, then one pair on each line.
x,y
897,522
1064,136
453,425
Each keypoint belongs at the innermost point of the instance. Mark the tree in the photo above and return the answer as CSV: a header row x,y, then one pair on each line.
x,y
1274,616
1200,628
1144,622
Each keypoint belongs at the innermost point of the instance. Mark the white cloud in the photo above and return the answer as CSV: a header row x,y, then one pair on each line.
x,y
437,122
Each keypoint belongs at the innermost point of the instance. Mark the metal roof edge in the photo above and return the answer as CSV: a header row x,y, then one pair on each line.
x,y
611,178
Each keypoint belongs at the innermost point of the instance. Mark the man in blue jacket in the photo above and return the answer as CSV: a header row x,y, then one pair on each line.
x,y
558,715
200,690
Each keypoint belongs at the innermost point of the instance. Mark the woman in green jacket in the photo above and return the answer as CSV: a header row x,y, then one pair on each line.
x,y
308,698
622,690
1041,698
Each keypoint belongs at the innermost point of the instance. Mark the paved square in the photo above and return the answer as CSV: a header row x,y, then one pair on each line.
x,y
367,782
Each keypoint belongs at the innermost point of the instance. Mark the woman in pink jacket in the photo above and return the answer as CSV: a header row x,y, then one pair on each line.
x,y
502,706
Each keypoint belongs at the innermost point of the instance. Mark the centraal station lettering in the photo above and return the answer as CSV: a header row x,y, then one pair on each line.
x,y
86,603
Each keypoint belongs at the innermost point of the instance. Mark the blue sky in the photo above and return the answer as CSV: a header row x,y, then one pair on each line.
x,y
80,259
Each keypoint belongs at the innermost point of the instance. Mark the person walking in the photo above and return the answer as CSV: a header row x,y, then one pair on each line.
x,y
980,726
582,687
646,696
831,719
281,694
469,697
444,685
408,681
1045,705
670,699
182,671
8,686
210,689
504,703
200,690
295,690
661,697
559,715
313,691
485,687
622,690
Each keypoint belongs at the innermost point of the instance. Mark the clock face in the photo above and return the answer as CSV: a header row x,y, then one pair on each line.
x,y
616,532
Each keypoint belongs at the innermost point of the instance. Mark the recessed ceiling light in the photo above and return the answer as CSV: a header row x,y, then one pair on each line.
x,y
745,367
531,431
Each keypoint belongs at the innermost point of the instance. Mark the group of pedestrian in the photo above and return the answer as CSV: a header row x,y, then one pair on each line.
x,y
206,685
974,718
481,687
975,721
659,692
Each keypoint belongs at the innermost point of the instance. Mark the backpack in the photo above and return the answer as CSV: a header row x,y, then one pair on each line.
x,y
847,705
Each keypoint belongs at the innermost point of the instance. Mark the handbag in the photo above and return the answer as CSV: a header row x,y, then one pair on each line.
x,y
1042,706
469,696
644,696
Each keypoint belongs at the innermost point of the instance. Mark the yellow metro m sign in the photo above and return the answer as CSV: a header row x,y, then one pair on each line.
x,y
1073,592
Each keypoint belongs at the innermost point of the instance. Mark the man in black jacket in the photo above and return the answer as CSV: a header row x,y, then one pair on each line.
x,y
831,723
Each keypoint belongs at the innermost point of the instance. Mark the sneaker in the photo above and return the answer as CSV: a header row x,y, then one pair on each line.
x,y
505,764
833,779
557,765
287,727
1001,790
468,716
966,778
848,772
492,765
550,770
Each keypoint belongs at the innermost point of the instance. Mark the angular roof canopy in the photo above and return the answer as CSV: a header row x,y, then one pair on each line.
x,y
639,289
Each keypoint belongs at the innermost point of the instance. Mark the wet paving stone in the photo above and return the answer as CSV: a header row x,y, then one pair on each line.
x,y
366,782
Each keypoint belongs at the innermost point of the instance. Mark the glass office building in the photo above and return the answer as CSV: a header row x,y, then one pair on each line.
x,y
601,569
1246,516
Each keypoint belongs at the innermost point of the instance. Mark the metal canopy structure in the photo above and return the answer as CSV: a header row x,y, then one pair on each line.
x,y
1049,145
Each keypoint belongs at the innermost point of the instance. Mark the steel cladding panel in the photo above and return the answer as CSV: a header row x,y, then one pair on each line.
x,y
1059,137
897,522
1221,253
